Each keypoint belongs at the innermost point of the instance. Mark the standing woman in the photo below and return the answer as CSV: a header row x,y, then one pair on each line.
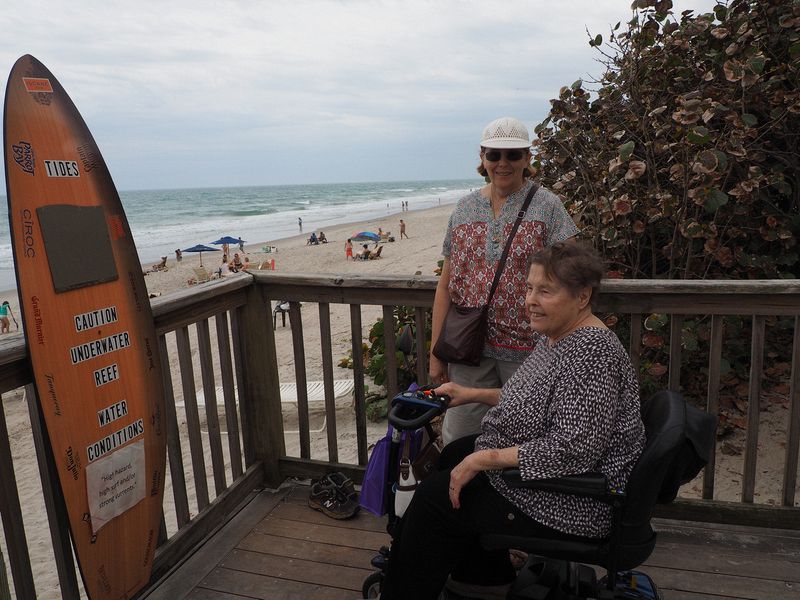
x,y
473,245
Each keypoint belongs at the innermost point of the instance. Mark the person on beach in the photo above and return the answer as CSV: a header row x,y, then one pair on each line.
x,y
300,223
236,264
403,229
312,240
473,244
5,311
363,254
226,250
178,255
348,248
322,239
572,407
241,245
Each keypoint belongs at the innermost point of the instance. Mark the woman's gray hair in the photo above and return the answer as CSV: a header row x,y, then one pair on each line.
x,y
575,265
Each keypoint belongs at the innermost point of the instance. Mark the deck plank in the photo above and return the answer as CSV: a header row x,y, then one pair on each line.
x,y
292,551
239,584
296,569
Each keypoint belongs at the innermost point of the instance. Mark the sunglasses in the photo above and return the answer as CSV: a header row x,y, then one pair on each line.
x,y
510,155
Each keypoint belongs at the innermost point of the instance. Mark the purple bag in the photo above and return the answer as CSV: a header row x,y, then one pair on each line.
x,y
374,495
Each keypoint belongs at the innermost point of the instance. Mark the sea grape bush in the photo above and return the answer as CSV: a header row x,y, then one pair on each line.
x,y
683,162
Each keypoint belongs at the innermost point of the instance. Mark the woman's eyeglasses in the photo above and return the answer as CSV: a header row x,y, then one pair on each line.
x,y
510,155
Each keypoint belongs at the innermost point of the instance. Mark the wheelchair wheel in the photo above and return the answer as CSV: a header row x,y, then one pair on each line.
x,y
372,585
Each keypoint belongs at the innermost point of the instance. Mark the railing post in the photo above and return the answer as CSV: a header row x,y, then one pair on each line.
x,y
11,514
261,397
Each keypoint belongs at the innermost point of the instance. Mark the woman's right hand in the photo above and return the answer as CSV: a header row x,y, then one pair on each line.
x,y
437,371
459,394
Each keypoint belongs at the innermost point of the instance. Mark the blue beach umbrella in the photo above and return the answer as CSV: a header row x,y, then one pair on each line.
x,y
227,240
201,248
366,235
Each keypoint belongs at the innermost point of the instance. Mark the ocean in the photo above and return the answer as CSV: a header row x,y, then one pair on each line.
x,y
163,220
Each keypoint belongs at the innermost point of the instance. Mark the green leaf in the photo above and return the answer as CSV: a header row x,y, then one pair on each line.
x,y
698,135
749,119
722,158
794,50
724,366
626,150
715,200
756,64
598,39
576,84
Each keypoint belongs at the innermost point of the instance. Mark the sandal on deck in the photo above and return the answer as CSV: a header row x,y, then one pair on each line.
x,y
335,496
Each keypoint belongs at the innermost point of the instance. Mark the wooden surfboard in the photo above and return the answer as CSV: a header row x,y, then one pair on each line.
x,y
89,331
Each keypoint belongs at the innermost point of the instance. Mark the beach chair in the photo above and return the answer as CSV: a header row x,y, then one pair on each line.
x,y
201,275
376,254
315,392
281,307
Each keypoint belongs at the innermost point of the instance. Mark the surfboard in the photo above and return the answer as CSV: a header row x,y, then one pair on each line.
x,y
89,332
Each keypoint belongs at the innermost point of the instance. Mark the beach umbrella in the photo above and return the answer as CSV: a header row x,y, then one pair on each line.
x,y
201,248
227,240
366,235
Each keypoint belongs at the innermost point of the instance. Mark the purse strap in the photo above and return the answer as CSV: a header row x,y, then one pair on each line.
x,y
499,272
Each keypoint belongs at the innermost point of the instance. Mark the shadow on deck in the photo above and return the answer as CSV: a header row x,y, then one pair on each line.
x,y
276,547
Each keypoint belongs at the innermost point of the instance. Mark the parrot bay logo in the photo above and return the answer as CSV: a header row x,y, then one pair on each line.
x,y
24,156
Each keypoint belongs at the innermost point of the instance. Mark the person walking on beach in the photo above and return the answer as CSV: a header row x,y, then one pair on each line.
x,y
241,245
300,223
403,229
178,255
472,247
348,249
5,312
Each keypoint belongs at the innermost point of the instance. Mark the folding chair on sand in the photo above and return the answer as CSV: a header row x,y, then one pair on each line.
x,y
201,275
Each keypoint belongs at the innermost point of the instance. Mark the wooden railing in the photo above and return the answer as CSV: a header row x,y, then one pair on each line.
x,y
217,344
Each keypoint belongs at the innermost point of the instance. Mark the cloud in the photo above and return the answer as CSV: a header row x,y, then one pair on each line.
x,y
185,93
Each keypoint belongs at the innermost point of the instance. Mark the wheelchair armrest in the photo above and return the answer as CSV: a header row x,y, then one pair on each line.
x,y
594,485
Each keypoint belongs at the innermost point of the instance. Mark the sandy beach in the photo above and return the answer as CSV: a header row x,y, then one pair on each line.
x,y
418,254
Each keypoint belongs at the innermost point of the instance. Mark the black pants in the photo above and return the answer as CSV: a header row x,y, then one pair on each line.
x,y
433,540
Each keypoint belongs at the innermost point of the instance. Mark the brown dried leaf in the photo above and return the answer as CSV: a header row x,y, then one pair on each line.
x,y
622,206
719,32
657,370
652,340
636,168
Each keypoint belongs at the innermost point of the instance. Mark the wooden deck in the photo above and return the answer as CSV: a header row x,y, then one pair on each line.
x,y
276,547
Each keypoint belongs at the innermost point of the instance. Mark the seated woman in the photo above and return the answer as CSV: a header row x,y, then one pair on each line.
x,y
236,264
322,238
362,254
571,407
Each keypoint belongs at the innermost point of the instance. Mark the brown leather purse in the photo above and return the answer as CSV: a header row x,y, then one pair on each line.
x,y
463,332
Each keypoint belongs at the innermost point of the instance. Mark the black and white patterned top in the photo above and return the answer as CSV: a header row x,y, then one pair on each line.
x,y
571,407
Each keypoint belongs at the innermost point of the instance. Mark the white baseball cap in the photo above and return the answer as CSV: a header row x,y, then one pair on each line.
x,y
506,132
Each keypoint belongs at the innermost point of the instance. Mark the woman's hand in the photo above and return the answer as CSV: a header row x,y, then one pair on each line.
x,y
461,475
459,394
482,460
437,370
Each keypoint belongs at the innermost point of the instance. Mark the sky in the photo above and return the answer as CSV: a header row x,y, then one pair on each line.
x,y
197,93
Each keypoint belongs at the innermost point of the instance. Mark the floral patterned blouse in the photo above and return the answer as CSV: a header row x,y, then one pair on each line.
x,y
571,408
474,243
